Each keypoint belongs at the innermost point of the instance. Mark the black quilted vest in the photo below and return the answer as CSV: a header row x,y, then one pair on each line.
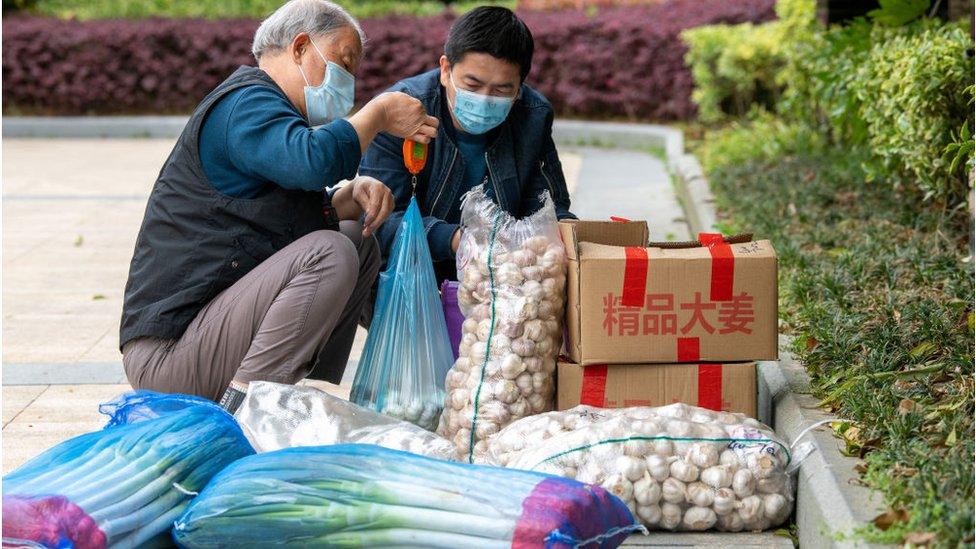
x,y
195,242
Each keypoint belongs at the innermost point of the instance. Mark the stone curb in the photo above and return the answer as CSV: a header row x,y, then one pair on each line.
x,y
567,132
831,503
74,127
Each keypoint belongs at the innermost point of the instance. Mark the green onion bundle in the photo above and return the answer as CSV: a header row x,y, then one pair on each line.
x,y
123,486
354,495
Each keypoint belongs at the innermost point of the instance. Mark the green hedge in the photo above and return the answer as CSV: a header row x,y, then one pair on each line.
x,y
913,96
217,9
738,67
735,67
903,92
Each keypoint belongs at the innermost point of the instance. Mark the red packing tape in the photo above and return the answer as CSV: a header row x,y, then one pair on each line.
x,y
594,389
709,375
710,386
688,349
635,277
723,265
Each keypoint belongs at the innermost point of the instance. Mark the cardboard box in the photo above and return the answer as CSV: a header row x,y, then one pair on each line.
x,y
729,387
631,301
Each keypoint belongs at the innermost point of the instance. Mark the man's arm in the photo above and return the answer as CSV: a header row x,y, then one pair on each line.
x,y
548,176
384,161
268,139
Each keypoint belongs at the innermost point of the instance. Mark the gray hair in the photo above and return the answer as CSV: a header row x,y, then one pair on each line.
x,y
314,17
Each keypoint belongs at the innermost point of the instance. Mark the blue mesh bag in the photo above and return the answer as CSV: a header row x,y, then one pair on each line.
x,y
122,486
407,353
355,495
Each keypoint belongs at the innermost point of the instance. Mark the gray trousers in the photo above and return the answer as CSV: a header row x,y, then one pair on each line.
x,y
292,316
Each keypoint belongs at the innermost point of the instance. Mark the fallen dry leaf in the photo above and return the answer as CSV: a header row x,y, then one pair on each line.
x,y
920,539
907,406
903,384
900,470
890,517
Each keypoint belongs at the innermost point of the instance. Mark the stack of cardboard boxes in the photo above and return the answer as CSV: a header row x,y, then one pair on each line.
x,y
652,324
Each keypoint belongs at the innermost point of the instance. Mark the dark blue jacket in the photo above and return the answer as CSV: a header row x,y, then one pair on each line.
x,y
522,163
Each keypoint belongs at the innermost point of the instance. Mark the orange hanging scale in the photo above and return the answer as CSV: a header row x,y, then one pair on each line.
x,y
414,158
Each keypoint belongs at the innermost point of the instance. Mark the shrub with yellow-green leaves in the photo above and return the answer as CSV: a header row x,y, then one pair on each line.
x,y
915,93
737,67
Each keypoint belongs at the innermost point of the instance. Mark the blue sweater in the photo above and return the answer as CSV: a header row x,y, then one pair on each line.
x,y
254,138
472,149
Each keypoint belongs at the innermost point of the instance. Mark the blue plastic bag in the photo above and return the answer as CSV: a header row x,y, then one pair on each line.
x,y
353,495
124,485
407,353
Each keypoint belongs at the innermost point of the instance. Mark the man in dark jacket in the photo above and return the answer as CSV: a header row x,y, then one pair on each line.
x,y
242,270
494,130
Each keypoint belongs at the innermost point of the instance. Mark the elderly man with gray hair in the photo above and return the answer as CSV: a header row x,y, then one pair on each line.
x,y
250,264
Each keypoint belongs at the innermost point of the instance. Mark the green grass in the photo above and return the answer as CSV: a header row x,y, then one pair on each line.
x,y
877,291
215,9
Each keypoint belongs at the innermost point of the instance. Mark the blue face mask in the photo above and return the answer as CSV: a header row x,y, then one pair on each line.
x,y
333,98
478,113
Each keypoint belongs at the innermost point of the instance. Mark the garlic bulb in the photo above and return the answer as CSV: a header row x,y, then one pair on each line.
x,y
633,469
670,516
674,491
724,501
752,510
700,494
533,364
699,518
703,454
743,483
731,522
684,471
650,514
511,366
717,477
647,491
658,467
775,507
729,458
619,486
663,447
761,465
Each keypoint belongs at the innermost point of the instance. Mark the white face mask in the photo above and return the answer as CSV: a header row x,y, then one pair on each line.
x,y
333,98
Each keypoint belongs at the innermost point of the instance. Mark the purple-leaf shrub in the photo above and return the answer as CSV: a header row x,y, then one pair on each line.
x,y
620,63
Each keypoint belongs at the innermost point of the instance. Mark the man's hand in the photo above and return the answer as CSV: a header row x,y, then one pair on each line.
x,y
364,195
405,117
397,114
375,200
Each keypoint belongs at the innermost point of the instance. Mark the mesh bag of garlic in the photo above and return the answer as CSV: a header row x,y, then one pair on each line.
x,y
407,351
512,275
677,467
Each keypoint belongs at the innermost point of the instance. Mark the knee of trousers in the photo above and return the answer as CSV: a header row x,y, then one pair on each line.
x,y
333,249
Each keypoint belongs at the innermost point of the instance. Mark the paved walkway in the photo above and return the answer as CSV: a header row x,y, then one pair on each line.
x,y
71,211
